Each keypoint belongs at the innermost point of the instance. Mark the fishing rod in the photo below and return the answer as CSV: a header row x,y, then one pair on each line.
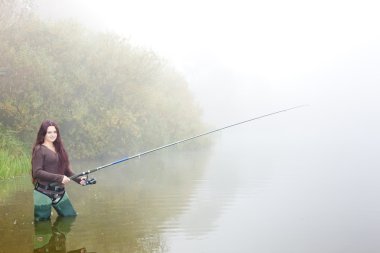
x,y
93,181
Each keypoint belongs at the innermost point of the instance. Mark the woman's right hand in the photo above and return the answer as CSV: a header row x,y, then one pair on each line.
x,y
65,180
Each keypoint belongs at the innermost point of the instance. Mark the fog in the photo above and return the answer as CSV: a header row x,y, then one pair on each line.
x,y
243,59
247,58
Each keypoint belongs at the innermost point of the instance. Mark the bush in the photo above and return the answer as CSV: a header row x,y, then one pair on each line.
x,y
107,96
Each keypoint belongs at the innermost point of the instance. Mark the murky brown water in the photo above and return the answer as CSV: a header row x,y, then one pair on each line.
x,y
258,190
125,211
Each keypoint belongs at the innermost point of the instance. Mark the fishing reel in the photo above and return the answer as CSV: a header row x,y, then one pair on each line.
x,y
89,181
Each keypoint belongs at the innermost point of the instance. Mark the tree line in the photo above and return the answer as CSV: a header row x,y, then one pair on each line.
x,y
107,95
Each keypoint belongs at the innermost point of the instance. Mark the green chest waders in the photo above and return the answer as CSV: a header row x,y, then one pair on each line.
x,y
44,201
64,207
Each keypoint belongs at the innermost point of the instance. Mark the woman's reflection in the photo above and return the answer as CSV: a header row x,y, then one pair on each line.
x,y
52,238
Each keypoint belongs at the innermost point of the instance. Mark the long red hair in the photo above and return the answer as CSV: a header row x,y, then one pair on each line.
x,y
58,144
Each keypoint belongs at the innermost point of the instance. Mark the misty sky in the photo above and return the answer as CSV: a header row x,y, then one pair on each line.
x,y
243,58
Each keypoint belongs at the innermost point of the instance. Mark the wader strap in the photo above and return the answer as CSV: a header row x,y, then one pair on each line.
x,y
49,188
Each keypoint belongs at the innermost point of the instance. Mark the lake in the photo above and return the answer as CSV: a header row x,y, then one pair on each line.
x,y
281,184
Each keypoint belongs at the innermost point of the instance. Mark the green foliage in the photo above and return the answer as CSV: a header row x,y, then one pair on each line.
x,y
107,96
14,159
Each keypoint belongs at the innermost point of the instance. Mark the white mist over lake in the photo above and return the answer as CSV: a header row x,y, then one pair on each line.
x,y
302,181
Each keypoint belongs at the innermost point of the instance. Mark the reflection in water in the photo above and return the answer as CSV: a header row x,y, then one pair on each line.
x,y
126,211
52,238
255,193
134,201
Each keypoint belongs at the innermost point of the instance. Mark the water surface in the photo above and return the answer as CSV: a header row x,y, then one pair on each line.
x,y
261,188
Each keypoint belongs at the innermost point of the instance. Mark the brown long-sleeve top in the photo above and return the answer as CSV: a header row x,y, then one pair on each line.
x,y
45,166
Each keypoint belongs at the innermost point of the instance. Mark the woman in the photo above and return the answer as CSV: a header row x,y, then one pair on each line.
x,y
50,172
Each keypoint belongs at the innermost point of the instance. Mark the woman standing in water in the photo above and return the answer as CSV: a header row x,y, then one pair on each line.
x,y
50,164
